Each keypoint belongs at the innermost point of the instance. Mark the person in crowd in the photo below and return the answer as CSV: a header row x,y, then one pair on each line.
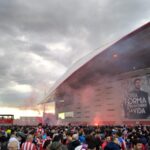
x,y
138,145
39,141
13,145
90,140
3,139
81,137
28,145
55,146
46,140
113,145
121,140
106,141
98,141
14,138
40,129
74,142
56,143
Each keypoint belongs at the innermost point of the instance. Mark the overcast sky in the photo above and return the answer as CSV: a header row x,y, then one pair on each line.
x,y
41,39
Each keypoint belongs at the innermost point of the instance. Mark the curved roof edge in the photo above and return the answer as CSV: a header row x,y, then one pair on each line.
x,y
77,65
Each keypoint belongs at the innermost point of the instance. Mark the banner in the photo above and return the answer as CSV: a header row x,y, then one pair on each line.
x,y
136,104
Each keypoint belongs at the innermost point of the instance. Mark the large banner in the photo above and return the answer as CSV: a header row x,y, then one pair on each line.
x,y
136,102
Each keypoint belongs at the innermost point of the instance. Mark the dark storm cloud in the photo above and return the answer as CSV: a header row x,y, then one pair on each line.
x,y
41,39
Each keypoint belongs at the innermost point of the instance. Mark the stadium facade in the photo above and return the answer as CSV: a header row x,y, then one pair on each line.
x,y
109,86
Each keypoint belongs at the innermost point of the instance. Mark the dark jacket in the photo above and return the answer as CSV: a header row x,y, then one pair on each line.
x,y
112,146
72,145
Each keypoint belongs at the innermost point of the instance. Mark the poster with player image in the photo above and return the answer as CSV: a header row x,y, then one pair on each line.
x,y
136,103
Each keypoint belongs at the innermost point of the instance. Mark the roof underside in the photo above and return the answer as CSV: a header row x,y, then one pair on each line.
x,y
130,53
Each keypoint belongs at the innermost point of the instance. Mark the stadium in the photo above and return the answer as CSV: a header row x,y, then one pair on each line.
x,y
108,86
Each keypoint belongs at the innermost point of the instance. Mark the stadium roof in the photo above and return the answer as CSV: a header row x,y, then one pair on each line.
x,y
131,52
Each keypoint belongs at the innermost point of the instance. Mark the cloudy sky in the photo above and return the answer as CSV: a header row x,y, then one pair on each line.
x,y
40,40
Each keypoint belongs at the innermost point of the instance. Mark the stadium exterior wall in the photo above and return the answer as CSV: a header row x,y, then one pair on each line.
x,y
111,88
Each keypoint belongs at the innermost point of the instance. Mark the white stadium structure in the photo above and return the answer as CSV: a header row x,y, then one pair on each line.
x,y
100,88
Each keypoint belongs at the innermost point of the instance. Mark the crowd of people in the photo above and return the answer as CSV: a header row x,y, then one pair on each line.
x,y
75,137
